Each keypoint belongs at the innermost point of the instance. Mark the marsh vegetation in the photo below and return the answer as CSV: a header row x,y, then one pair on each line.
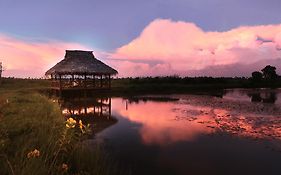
x,y
35,138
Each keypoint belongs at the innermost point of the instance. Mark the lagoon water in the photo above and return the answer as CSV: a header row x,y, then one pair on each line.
x,y
236,133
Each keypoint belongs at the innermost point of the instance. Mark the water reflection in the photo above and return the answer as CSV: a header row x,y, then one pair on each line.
x,y
254,95
196,135
86,107
92,110
266,97
164,123
160,120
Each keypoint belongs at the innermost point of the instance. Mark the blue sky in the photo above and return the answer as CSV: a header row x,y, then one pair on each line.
x,y
109,24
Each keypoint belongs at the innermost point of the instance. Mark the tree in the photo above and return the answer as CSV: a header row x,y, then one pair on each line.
x,y
257,76
269,72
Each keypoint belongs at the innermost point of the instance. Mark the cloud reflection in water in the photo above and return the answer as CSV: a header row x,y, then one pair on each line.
x,y
185,120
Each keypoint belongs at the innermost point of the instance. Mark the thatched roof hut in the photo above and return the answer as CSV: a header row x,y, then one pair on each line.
x,y
80,62
80,70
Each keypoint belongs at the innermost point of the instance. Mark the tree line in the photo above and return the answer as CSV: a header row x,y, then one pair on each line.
x,y
267,74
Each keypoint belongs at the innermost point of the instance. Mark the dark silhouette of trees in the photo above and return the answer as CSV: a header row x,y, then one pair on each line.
x,y
266,78
269,72
257,76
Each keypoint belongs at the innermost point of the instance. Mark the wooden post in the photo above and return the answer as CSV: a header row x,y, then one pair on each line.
x,y
72,80
101,81
52,81
85,81
109,82
60,82
94,81
106,81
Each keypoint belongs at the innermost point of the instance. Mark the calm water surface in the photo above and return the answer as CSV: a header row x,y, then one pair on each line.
x,y
238,133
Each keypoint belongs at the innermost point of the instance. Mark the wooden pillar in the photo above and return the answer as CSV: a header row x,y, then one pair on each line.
x,y
71,84
109,83
85,81
60,82
52,81
101,81
94,81
106,78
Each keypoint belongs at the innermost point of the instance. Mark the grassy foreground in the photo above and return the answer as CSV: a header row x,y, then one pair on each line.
x,y
36,139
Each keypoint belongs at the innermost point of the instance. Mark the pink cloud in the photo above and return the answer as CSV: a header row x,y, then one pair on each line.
x,y
31,59
164,47
181,47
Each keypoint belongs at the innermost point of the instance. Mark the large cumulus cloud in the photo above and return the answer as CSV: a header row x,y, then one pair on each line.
x,y
168,47
164,47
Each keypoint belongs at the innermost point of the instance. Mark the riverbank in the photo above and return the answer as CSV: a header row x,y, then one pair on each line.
x,y
156,84
36,139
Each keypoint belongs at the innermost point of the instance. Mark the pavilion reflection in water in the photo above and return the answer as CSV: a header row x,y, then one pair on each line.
x,y
95,111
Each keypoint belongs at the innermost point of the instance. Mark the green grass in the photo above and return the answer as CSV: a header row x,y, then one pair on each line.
x,y
29,121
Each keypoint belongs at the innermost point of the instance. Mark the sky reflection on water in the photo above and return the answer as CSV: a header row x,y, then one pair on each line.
x,y
184,120
189,134
160,121
195,135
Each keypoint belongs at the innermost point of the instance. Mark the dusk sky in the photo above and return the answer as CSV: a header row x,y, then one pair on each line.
x,y
143,37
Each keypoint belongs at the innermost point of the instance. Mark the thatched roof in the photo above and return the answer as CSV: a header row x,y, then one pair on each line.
x,y
80,62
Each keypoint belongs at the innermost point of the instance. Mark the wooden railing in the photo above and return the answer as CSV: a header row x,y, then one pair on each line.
x,y
80,84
